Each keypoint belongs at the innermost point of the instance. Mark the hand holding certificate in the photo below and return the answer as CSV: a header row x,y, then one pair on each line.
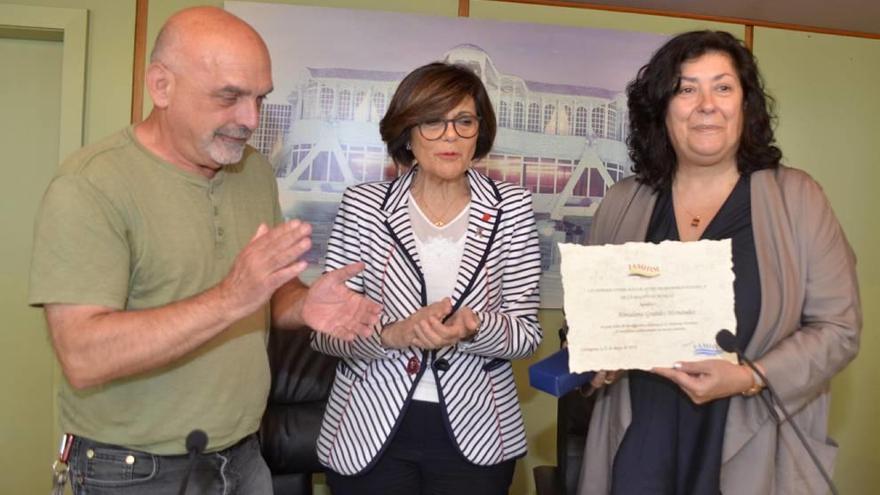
x,y
643,305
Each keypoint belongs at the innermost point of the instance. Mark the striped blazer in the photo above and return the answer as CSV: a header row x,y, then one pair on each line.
x,y
497,279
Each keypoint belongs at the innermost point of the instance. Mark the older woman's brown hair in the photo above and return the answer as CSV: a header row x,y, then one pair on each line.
x,y
428,93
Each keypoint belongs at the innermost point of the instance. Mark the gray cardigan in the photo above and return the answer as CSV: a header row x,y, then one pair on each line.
x,y
807,331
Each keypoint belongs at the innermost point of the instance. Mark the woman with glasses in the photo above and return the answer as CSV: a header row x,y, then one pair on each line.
x,y
428,404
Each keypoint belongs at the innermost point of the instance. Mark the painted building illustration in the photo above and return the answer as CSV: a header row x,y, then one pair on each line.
x,y
564,143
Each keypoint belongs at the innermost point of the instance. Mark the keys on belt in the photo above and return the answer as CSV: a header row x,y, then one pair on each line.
x,y
60,469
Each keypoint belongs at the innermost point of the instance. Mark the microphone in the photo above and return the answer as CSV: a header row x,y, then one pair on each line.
x,y
196,442
727,342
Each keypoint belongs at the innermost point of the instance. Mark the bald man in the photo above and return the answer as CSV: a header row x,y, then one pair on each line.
x,y
161,258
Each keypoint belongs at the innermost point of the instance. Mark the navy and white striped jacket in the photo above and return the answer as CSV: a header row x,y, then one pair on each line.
x,y
497,279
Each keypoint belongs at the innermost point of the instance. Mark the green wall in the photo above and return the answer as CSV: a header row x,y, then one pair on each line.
x,y
33,95
824,88
31,107
110,61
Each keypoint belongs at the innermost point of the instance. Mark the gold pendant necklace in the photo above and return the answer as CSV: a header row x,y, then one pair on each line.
x,y
712,208
443,218
431,215
695,219
439,222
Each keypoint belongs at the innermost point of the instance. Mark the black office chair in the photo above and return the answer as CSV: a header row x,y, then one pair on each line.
x,y
301,381
572,421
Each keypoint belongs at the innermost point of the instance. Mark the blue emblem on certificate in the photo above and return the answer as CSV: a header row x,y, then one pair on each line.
x,y
707,350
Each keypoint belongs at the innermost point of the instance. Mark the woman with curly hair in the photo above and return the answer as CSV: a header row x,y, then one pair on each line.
x,y
706,167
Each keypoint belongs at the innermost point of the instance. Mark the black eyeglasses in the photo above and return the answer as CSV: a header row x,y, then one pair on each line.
x,y
466,126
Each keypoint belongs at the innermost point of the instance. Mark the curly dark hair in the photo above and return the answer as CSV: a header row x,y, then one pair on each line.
x,y
428,93
649,94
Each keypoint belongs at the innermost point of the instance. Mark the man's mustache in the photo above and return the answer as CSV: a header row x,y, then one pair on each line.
x,y
237,132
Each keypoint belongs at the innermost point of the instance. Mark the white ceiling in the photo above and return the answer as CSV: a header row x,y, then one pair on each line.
x,y
849,15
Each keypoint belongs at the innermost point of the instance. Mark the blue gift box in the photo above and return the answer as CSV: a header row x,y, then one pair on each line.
x,y
551,375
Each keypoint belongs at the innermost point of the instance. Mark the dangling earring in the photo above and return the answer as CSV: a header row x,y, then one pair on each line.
x,y
408,146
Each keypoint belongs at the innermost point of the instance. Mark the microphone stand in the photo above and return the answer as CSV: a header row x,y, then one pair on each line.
x,y
196,442
727,341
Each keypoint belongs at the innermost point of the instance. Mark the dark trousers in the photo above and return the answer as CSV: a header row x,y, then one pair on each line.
x,y
422,459
101,469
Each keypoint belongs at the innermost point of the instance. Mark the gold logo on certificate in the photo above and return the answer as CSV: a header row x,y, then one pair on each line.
x,y
643,270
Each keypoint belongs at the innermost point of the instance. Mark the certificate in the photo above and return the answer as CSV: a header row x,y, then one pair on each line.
x,y
643,305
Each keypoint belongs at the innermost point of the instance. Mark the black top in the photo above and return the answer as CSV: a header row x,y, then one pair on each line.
x,y
673,446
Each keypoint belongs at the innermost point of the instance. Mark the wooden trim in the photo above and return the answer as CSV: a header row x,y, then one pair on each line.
x,y
700,17
464,8
750,36
140,55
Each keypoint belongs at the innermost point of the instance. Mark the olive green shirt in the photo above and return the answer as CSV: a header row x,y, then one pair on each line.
x,y
119,227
